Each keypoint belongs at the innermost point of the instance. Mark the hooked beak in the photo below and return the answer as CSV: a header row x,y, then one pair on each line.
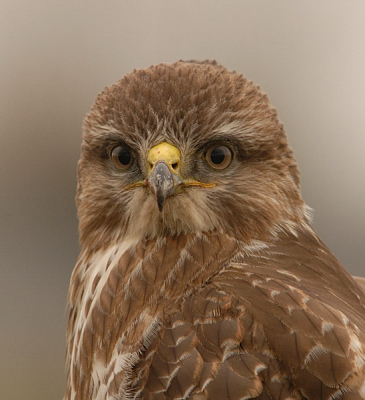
x,y
163,182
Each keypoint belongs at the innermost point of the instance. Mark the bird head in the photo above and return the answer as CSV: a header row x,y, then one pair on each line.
x,y
185,148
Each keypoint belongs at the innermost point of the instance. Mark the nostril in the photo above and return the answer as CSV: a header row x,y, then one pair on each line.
x,y
175,165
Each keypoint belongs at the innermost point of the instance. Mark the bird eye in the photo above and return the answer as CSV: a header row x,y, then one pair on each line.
x,y
219,157
121,157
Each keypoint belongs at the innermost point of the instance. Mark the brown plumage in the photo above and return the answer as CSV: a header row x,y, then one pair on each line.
x,y
199,275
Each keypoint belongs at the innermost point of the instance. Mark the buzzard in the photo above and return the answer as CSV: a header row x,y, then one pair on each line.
x,y
200,276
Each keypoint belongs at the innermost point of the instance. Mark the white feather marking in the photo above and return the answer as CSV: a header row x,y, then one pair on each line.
x,y
255,246
314,354
345,319
359,351
259,368
326,327
98,375
288,273
153,328
305,298
275,379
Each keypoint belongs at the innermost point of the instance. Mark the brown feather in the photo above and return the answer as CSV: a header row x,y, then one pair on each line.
x,y
225,294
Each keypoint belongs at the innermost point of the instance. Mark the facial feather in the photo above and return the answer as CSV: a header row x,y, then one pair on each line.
x,y
189,106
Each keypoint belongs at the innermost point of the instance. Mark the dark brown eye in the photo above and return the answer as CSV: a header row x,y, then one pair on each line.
x,y
121,157
219,157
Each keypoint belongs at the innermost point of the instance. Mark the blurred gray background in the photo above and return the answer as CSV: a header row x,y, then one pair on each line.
x,y
55,56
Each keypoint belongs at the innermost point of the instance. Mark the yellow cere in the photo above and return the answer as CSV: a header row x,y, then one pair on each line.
x,y
166,152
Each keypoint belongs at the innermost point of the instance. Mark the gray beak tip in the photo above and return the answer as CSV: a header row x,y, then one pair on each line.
x,y
163,183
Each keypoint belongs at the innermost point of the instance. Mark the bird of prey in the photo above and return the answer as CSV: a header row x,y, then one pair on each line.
x,y
200,276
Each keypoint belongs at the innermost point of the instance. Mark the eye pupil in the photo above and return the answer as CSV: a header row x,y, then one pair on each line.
x,y
124,157
219,157
121,157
